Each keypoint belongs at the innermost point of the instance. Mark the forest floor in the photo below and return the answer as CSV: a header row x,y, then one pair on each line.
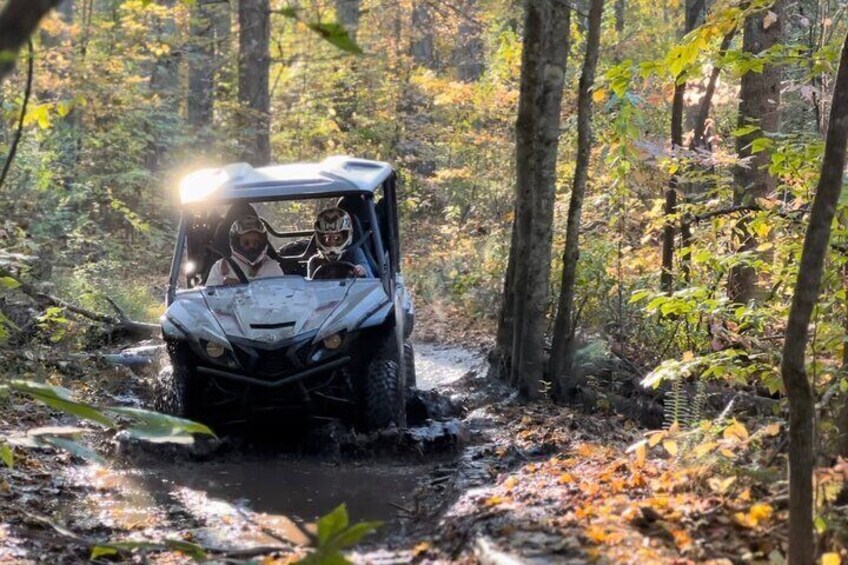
x,y
502,482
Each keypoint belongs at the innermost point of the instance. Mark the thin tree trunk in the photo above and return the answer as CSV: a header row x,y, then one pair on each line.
x,y
165,84
620,11
693,10
670,207
506,318
562,352
347,14
700,143
422,47
759,105
807,287
254,63
537,137
469,49
201,68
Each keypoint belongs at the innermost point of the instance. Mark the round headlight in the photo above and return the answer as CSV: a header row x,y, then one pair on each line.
x,y
333,342
214,350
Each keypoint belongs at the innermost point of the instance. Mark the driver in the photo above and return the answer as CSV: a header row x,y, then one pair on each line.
x,y
333,235
249,252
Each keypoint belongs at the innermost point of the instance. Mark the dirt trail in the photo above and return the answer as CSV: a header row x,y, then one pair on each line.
x,y
243,496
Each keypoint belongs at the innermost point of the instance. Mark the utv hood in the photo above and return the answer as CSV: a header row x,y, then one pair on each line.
x,y
274,310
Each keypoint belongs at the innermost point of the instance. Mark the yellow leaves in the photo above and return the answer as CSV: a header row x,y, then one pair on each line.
x,y
641,450
671,446
758,513
772,429
420,549
831,559
565,479
494,501
736,430
599,95
719,485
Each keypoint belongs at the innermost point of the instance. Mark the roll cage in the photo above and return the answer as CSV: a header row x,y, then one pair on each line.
x,y
372,184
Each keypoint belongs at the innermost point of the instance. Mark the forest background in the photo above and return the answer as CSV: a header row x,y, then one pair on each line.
x,y
696,204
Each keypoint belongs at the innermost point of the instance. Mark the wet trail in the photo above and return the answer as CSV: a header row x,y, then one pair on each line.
x,y
262,498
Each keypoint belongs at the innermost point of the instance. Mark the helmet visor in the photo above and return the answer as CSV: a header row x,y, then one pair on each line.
x,y
247,224
332,239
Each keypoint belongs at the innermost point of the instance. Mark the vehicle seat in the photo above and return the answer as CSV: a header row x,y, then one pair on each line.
x,y
356,207
294,255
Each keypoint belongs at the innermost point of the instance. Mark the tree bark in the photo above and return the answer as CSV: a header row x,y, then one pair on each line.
x,y
562,352
506,318
469,50
693,10
537,137
165,84
807,287
254,64
422,47
620,11
18,20
759,105
347,14
201,68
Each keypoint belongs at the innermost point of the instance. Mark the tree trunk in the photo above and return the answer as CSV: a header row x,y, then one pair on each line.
x,y
201,68
469,50
537,137
693,10
793,369
254,63
506,318
562,352
347,14
422,47
165,84
620,11
759,105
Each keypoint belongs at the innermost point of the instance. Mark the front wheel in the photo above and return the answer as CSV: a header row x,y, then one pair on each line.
x,y
175,388
409,360
383,400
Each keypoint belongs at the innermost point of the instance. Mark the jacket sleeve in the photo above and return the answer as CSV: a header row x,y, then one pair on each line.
x,y
215,277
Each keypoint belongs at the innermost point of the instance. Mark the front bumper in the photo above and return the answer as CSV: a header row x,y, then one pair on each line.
x,y
321,368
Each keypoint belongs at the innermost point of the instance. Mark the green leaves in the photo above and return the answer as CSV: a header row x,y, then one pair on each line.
x,y
334,535
143,424
112,549
332,32
6,455
337,35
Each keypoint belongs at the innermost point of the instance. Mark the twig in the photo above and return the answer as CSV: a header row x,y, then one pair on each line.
x,y
13,149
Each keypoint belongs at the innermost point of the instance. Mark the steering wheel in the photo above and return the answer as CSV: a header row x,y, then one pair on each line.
x,y
335,270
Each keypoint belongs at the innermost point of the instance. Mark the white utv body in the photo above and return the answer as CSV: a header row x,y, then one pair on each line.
x,y
288,345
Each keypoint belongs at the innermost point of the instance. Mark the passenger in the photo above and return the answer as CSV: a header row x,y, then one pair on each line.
x,y
333,236
249,252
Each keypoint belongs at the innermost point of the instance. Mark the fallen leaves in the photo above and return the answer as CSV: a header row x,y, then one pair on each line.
x,y
756,515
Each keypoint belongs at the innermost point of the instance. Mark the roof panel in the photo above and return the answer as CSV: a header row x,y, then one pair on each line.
x,y
334,175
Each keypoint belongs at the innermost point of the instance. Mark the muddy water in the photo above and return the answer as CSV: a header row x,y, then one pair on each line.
x,y
248,500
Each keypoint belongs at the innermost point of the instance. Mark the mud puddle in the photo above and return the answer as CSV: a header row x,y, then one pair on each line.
x,y
241,500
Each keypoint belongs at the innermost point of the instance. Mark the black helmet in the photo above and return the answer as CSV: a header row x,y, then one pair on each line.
x,y
254,252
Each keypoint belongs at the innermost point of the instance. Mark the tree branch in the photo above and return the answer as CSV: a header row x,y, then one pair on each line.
x,y
18,20
13,149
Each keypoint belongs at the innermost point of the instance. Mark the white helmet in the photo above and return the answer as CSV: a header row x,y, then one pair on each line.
x,y
333,232
258,249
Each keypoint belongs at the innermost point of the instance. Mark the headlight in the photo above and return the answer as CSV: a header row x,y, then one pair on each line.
x,y
333,342
214,350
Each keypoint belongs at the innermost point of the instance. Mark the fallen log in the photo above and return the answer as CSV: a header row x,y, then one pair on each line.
x,y
115,325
